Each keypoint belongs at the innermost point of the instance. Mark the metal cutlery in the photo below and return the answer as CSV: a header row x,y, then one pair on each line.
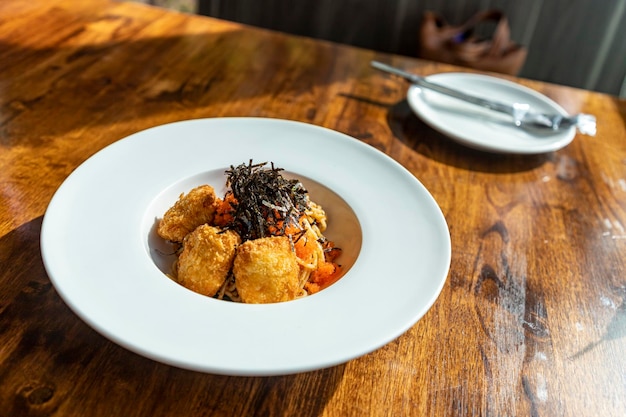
x,y
521,113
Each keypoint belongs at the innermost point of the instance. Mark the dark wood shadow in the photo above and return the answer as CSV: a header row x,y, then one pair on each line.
x,y
42,328
408,128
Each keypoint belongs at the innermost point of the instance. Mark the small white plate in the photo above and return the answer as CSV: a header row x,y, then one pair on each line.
x,y
99,249
483,129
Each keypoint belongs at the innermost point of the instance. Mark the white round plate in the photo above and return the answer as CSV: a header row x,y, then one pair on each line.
x,y
98,249
483,129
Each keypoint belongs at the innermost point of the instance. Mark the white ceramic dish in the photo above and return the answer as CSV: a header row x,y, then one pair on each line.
x,y
98,248
483,129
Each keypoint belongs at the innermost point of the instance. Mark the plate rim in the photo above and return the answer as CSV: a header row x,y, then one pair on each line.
x,y
68,293
417,105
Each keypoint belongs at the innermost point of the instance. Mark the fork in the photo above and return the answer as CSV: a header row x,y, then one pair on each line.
x,y
522,114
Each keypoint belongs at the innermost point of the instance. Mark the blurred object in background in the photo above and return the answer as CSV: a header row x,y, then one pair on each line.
x,y
464,44
581,45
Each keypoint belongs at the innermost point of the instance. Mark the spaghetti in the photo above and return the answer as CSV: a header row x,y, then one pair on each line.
x,y
263,208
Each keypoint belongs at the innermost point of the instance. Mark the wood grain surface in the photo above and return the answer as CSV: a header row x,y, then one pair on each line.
x,y
531,320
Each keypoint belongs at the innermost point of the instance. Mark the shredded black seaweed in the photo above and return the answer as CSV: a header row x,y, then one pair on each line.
x,y
266,202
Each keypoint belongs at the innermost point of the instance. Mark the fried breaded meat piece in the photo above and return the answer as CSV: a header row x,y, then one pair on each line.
x,y
266,270
206,259
190,211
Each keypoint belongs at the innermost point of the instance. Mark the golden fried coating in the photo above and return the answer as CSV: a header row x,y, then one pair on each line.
x,y
266,270
206,259
190,211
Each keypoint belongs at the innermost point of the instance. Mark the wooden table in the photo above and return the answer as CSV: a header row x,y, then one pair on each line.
x,y
531,320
